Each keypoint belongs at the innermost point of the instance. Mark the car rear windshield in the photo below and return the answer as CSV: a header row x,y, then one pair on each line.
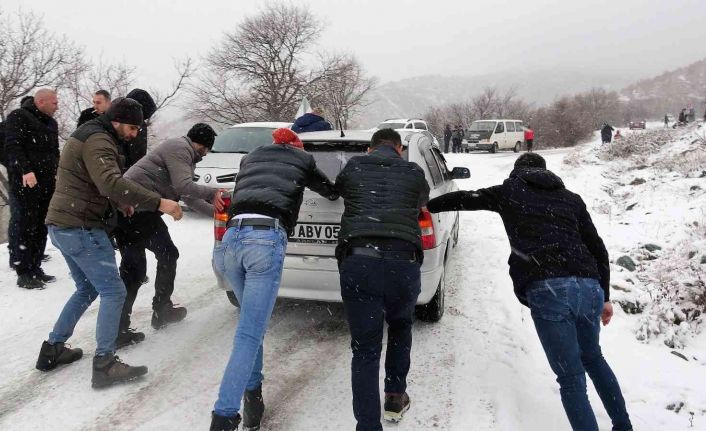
x,y
482,126
331,157
391,125
242,139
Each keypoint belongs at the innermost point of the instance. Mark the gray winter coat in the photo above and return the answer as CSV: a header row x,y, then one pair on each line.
x,y
169,171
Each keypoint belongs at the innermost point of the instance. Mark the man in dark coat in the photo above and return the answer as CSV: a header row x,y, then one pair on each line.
x,y
136,149
32,151
607,133
447,137
560,269
311,122
101,103
380,234
457,138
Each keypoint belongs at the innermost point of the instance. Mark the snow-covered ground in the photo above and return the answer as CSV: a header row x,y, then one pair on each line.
x,y
480,368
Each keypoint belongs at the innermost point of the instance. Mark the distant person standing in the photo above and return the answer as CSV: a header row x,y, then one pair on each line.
x,y
692,114
101,103
666,120
682,116
447,137
607,133
32,151
311,122
457,138
529,138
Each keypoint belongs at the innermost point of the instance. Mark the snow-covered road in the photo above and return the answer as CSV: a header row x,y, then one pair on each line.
x,y
480,368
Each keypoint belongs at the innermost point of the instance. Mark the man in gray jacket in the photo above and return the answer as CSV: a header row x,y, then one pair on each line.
x,y
167,170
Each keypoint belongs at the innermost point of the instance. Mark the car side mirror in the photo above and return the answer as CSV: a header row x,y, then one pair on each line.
x,y
460,173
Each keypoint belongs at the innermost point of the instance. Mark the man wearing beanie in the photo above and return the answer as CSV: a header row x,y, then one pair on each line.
x,y
89,183
167,170
560,269
268,194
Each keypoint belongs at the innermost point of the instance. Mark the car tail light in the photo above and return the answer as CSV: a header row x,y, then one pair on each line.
x,y
220,218
426,224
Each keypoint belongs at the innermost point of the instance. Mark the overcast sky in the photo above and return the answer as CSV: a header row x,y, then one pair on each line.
x,y
400,39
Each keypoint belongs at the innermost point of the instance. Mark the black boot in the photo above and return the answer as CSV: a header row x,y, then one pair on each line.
x,y
253,408
29,281
53,355
127,337
43,276
396,405
109,369
167,314
223,423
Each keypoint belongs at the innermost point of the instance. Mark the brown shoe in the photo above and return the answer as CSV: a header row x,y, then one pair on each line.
x,y
109,369
396,405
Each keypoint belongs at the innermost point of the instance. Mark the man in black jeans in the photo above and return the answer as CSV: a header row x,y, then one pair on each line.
x,y
380,253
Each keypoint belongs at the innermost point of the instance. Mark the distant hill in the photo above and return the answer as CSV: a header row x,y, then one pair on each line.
x,y
669,92
413,96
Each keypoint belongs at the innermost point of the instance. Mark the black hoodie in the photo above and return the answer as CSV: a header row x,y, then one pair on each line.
x,y
550,231
136,149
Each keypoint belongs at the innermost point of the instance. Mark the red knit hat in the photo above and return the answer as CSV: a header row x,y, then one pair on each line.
x,y
287,136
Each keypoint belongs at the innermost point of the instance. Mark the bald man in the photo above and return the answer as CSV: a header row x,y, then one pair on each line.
x,y
32,147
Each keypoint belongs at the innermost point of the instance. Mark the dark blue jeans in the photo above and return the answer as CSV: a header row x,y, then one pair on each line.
x,y
374,291
566,312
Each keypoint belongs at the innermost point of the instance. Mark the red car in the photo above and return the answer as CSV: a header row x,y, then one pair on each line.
x,y
637,124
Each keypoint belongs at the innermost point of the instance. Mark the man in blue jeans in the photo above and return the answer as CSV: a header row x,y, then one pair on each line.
x,y
88,180
266,200
560,269
380,234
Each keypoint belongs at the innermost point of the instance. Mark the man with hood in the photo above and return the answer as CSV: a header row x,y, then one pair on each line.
x,y
311,122
266,200
32,151
136,148
167,170
560,270
89,186
607,133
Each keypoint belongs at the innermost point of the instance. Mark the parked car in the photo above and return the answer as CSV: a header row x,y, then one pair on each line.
x,y
494,135
641,124
310,267
403,123
220,166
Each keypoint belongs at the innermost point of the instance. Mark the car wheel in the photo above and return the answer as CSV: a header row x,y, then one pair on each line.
x,y
494,148
517,148
434,310
231,297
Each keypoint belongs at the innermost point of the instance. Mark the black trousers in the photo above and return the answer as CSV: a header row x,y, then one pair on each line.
x,y
446,145
456,146
27,233
145,230
374,291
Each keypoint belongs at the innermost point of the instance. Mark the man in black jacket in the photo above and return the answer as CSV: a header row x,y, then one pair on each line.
x,y
380,235
136,149
448,133
560,269
101,103
268,194
32,151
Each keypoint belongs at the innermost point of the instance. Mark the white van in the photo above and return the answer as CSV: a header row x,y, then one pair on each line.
x,y
494,135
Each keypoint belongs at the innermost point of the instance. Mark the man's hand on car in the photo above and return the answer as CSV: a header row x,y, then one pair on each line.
x,y
218,203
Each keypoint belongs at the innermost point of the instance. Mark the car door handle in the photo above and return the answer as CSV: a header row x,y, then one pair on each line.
x,y
311,259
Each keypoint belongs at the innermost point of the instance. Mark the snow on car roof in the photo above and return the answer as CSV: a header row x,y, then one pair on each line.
x,y
272,124
350,135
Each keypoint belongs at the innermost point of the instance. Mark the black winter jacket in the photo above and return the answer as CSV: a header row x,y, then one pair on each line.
x,y
550,231
310,122
3,159
32,145
382,194
271,182
87,115
136,149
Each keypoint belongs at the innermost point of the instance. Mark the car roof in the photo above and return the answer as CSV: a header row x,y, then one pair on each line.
x,y
268,124
401,120
498,119
350,135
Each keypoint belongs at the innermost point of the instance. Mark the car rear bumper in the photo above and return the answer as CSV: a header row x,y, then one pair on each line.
x,y
316,278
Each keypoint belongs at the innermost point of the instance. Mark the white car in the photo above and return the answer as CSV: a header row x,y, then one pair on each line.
x,y
403,123
310,266
220,166
494,135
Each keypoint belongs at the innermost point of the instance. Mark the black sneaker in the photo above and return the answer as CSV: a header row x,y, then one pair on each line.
x,y
253,408
396,405
44,277
29,281
109,369
166,315
127,337
224,423
53,355
146,279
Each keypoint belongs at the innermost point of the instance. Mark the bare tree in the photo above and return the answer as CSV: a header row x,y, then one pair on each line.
x,y
258,72
185,70
32,57
485,103
342,87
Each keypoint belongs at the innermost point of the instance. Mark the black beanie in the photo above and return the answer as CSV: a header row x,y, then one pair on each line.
x,y
202,133
125,110
531,160
144,99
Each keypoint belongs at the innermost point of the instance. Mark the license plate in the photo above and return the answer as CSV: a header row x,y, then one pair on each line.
x,y
316,233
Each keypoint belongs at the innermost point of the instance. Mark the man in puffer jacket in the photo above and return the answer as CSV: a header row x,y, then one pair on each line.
x,y
560,269
167,170
311,122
